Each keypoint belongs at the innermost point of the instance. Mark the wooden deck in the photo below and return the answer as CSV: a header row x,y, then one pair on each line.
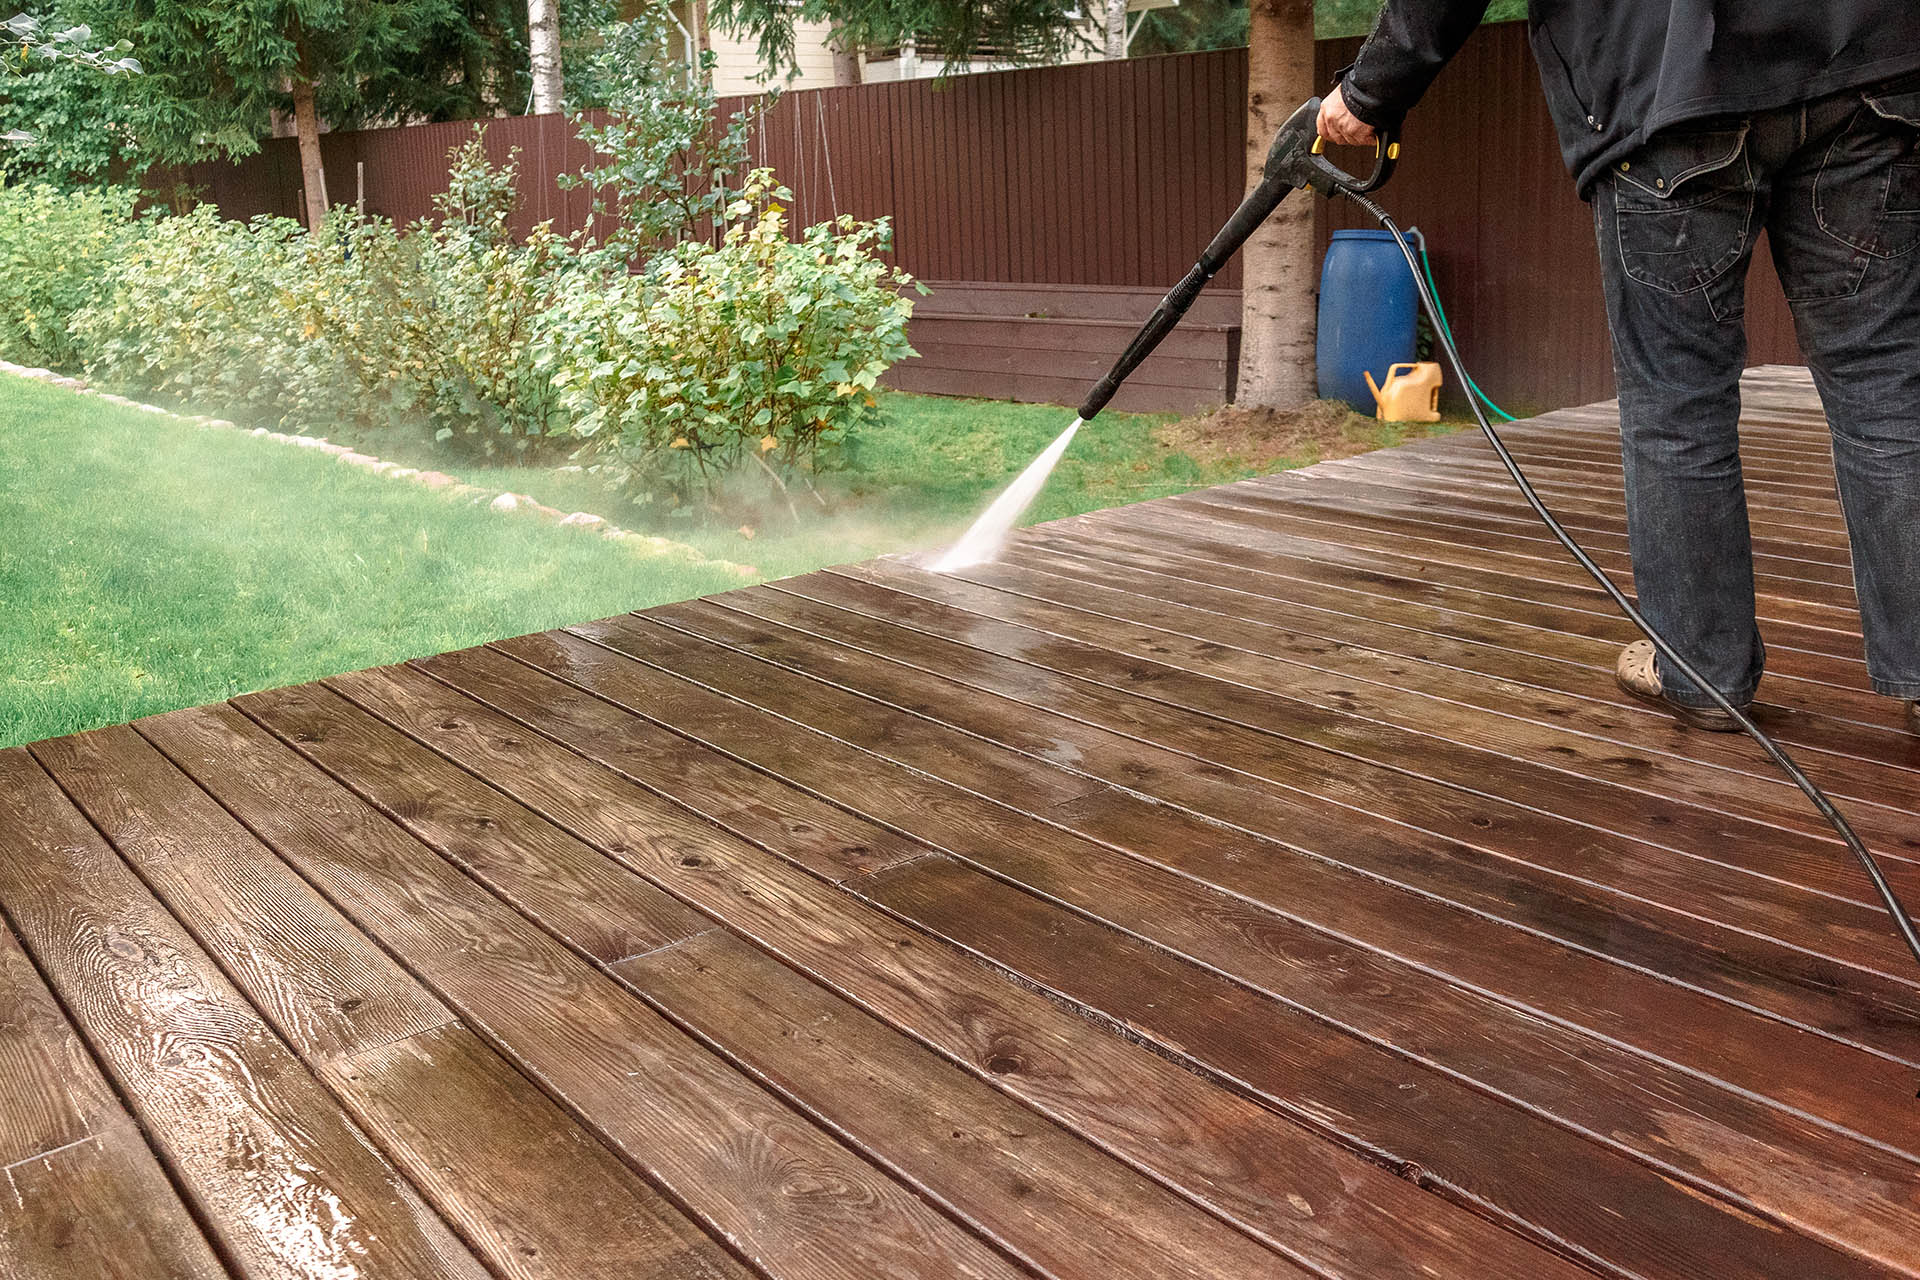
x,y
1267,882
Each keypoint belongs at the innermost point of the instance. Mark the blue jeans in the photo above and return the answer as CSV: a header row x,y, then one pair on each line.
x,y
1835,183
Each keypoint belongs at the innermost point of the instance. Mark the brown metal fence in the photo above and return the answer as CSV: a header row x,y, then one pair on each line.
x,y
1111,174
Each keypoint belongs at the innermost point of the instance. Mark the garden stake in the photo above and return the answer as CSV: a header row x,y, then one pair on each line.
x,y
1296,162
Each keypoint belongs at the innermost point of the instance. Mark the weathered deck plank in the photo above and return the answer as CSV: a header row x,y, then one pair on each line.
x,y
1160,665
1668,1025
977,736
1029,1048
533,1193
286,1182
81,1195
780,1192
1268,881
1487,1155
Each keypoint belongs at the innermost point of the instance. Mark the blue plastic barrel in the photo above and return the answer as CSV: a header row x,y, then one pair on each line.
x,y
1367,309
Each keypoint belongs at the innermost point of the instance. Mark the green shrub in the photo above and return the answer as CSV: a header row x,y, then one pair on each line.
x,y
360,328
449,340
210,311
57,249
480,195
755,355
761,350
664,162
444,325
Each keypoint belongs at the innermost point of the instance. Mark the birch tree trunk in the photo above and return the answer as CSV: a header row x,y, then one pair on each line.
x,y
846,61
543,53
1116,42
1280,292
306,129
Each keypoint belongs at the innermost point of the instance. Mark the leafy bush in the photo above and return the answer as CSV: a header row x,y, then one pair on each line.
x,y
452,343
662,164
757,354
208,310
433,329
760,350
56,250
480,195
60,123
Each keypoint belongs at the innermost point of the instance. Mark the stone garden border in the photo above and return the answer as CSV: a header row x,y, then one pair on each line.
x,y
646,545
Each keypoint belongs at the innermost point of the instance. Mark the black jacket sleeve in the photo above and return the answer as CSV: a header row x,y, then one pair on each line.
x,y
1410,43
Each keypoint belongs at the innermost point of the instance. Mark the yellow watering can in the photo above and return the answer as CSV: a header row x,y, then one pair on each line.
x,y
1411,393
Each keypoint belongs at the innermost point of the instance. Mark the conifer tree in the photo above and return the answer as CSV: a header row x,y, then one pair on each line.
x,y
217,70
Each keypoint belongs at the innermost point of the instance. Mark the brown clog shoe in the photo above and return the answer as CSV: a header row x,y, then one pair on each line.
x,y
1640,676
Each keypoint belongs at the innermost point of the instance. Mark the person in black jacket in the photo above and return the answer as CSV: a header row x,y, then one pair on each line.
x,y
1691,126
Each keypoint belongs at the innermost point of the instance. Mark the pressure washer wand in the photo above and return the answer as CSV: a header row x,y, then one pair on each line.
x,y
1293,161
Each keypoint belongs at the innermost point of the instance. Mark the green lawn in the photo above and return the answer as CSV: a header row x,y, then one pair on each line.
x,y
146,564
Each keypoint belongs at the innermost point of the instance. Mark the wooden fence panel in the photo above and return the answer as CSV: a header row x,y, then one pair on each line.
x,y
1111,174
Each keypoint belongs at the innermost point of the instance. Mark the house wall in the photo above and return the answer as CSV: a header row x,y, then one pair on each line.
x,y
738,67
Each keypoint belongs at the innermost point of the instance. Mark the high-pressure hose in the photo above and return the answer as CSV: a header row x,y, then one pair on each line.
x,y
1294,162
1902,922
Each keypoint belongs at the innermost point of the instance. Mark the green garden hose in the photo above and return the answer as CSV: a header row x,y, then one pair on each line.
x,y
1440,314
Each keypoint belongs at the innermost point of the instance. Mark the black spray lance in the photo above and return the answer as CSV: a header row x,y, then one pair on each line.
x,y
1296,162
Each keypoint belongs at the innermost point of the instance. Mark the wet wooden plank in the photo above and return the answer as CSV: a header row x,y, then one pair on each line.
x,y
328,991
1450,488
1801,700
1270,613
1145,653
1822,603
535,1192
568,887
1502,593
1129,1102
1780,558
1714,1043
1773,467
286,1183
1824,628
1555,609
1484,502
774,1187
1506,515
1414,718
1211,1021
1055,1202
1323,499
1337,1084
99,1211
818,835
1597,478
909,715
81,1195
532,1192
1599,472
1789,461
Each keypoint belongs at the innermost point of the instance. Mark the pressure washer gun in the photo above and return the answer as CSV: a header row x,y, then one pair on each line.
x,y
1296,161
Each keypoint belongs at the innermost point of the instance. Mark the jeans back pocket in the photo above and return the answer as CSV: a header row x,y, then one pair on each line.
x,y
1867,194
1683,207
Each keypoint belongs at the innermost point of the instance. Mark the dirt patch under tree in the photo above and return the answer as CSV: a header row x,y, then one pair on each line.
x,y
1261,437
